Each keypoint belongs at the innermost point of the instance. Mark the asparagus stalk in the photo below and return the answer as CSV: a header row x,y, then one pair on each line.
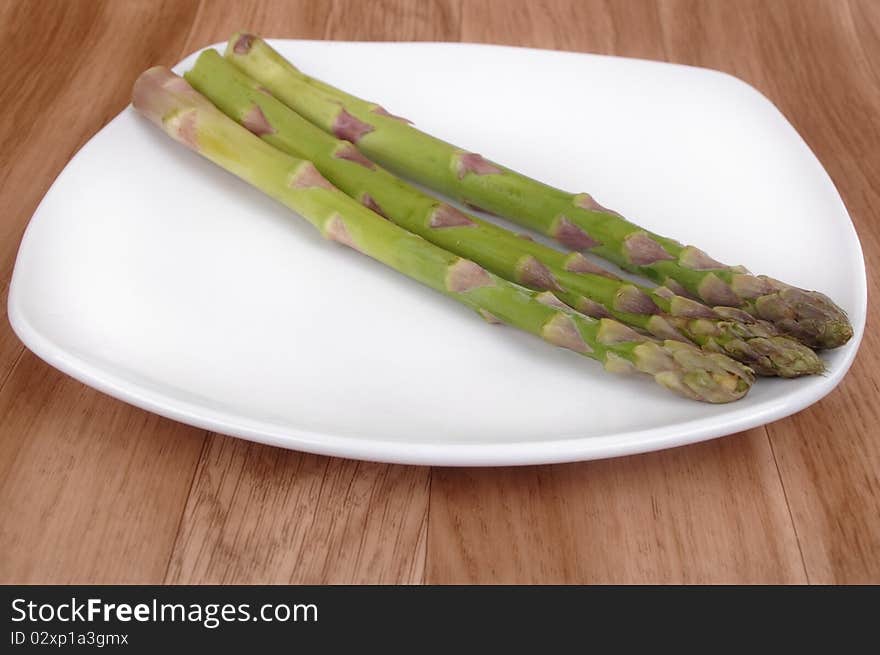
x,y
185,115
572,277
576,220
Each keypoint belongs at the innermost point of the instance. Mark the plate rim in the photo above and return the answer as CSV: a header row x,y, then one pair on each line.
x,y
531,452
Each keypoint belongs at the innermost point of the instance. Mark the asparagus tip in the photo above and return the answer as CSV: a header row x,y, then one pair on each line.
x,y
808,316
776,356
693,373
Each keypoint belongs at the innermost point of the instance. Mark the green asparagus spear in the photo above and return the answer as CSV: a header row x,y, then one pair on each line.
x,y
575,220
583,286
188,117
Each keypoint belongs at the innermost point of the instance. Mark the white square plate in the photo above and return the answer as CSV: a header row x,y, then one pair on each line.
x,y
157,278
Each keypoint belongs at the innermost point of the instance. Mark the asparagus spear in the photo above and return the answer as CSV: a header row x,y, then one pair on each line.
x,y
185,115
583,286
575,220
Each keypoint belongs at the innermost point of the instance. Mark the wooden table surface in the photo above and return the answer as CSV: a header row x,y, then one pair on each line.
x,y
95,491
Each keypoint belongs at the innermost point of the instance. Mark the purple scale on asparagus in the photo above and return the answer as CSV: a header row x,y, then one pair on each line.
x,y
662,329
350,128
577,263
734,314
471,162
750,286
592,308
696,260
464,275
616,364
255,120
640,249
350,153
633,300
571,236
533,273
586,201
687,308
370,203
715,291
308,177
448,216
664,292
336,230
611,333
561,331
549,298
677,288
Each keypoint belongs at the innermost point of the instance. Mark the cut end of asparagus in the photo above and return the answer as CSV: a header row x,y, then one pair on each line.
x,y
693,373
158,92
808,316
241,43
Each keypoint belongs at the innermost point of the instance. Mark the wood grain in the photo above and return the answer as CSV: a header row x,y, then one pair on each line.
x,y
266,515
92,490
713,512
628,29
